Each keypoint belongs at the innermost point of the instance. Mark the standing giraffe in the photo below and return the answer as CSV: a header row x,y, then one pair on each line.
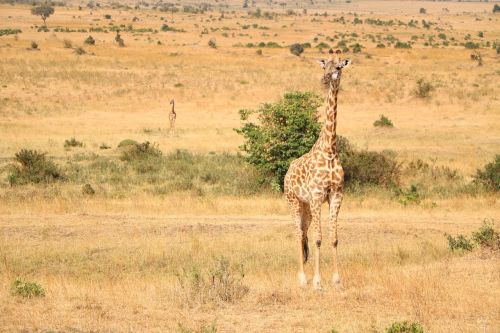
x,y
317,177
172,116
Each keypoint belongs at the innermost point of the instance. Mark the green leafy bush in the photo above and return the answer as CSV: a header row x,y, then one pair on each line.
x,y
489,177
405,327
459,243
487,237
409,196
471,45
402,45
383,122
26,289
32,166
296,49
285,131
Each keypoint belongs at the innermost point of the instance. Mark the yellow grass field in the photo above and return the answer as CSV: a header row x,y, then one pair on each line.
x,y
138,258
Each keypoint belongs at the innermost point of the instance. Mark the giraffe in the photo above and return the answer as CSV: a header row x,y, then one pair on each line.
x,y
172,116
316,177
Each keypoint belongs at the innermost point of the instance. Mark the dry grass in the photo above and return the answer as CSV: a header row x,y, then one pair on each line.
x,y
110,263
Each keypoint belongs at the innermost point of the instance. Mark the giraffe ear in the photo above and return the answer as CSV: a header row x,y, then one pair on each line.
x,y
322,63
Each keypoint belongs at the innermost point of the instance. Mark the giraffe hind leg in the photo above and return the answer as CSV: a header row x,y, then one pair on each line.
x,y
305,222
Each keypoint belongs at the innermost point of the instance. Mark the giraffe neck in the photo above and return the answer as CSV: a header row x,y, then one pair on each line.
x,y
327,141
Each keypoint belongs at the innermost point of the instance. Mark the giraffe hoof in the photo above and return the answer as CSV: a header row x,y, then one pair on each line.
x,y
302,280
317,283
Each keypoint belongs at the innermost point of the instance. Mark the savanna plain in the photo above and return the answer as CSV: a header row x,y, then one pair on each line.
x,y
189,238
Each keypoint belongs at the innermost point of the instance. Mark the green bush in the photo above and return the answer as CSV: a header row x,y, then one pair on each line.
x,y
423,89
296,49
471,45
383,122
487,237
127,142
32,166
402,45
72,143
212,43
285,131
405,327
5,32
26,289
489,177
459,243
34,45
496,8
409,196
90,40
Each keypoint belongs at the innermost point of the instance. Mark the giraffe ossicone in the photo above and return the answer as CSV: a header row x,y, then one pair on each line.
x,y
316,177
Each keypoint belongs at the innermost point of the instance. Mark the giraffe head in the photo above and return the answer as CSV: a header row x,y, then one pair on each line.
x,y
333,69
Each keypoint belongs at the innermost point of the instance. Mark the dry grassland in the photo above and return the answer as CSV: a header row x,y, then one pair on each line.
x,y
126,259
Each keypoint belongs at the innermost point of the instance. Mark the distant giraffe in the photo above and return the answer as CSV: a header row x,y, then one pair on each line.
x,y
317,177
172,116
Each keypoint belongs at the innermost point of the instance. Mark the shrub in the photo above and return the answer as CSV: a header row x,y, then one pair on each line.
x,y
364,167
405,327
32,166
127,142
90,40
107,16
496,8
141,151
423,89
357,48
422,11
406,197
380,46
402,45
287,129
296,49
459,243
119,39
489,177
5,32
87,189
212,43
487,237
383,122
34,45
323,45
104,146
72,143
222,282
471,45
67,44
80,51
26,289
259,52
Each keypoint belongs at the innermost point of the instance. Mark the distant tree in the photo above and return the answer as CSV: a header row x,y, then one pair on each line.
x,y
44,11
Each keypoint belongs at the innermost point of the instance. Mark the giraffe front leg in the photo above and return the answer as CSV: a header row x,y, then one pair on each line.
x,y
316,222
334,200
296,212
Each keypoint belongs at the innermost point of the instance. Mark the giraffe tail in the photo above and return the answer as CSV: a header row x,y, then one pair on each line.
x,y
305,249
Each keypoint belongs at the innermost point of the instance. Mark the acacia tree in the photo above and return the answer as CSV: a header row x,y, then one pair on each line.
x,y
43,10
283,131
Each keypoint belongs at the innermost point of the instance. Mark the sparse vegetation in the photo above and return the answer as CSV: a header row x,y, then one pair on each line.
x,y
383,121
90,40
26,289
72,143
32,166
405,326
423,89
486,237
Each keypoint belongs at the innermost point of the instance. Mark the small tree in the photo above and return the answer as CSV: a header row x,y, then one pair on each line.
x,y
44,11
285,131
